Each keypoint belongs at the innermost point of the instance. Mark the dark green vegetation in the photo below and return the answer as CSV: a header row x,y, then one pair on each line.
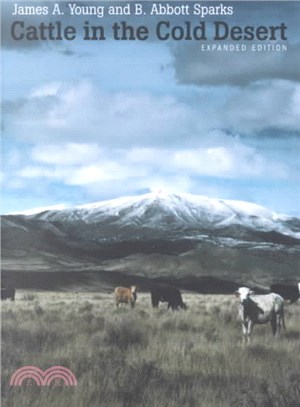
x,y
144,357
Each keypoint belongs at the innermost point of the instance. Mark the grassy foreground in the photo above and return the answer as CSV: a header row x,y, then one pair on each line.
x,y
144,357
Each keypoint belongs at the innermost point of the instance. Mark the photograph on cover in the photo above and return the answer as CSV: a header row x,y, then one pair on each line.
x,y
151,203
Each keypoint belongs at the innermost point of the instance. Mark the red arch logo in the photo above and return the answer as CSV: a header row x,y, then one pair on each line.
x,y
43,378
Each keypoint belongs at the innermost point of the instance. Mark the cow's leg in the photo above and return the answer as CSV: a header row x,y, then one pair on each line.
x,y
154,300
282,319
278,320
249,330
245,330
274,325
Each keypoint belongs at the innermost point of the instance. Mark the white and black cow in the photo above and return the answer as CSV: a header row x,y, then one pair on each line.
x,y
260,309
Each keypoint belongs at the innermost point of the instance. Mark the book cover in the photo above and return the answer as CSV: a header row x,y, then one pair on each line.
x,y
150,216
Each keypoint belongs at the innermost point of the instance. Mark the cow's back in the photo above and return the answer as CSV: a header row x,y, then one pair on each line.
x,y
168,294
125,295
268,304
122,293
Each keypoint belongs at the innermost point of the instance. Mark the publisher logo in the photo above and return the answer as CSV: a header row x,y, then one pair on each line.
x,y
56,374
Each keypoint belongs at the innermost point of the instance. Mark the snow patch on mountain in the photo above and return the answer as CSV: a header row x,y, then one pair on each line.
x,y
164,211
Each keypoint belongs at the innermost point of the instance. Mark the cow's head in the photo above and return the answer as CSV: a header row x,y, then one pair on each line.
x,y
243,294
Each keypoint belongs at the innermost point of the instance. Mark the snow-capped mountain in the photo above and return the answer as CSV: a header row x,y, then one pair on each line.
x,y
169,216
153,236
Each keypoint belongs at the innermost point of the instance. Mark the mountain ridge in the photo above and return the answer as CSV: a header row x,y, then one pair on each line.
x,y
171,212
157,235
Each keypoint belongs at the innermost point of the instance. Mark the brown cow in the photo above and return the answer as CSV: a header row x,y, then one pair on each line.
x,y
126,295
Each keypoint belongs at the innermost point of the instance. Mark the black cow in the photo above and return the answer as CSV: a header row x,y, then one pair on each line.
x,y
7,293
287,291
171,295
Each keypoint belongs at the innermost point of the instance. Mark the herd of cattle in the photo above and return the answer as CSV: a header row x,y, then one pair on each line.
x,y
254,308
161,293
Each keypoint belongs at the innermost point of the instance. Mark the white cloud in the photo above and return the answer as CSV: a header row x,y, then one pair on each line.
x,y
32,171
236,161
48,89
81,113
265,105
150,167
109,171
85,167
68,154
82,116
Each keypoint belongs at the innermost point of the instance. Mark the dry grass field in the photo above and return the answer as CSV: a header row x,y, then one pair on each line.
x,y
145,357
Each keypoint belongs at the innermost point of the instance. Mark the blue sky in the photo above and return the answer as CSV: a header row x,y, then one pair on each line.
x,y
87,121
